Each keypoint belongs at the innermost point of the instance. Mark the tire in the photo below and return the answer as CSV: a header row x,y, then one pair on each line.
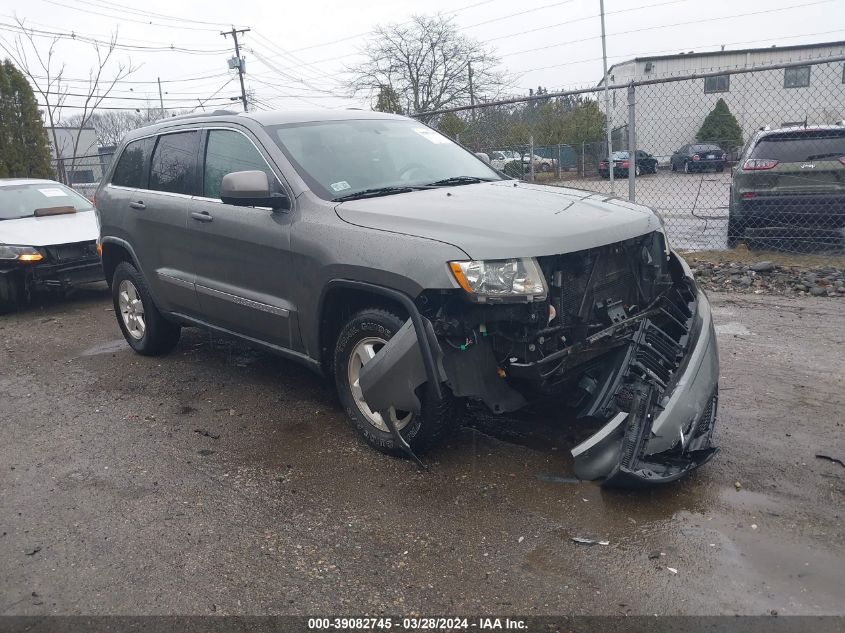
x,y
736,230
687,168
11,293
672,165
143,326
374,326
720,169
637,171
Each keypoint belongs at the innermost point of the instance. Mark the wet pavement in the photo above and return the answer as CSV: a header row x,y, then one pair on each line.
x,y
115,496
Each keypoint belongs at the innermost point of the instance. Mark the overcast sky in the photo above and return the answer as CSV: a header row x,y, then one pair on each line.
x,y
297,52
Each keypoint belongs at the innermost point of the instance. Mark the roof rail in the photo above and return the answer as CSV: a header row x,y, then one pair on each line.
x,y
195,115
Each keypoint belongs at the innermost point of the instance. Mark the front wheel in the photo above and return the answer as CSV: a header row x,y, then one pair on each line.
x,y
143,326
11,293
359,341
687,168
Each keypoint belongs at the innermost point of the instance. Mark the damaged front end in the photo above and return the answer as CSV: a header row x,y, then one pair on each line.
x,y
622,338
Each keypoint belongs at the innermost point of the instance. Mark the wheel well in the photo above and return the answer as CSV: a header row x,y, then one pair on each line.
x,y
113,254
339,305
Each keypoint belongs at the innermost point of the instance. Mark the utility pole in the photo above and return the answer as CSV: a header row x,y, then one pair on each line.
x,y
607,103
471,92
238,62
160,98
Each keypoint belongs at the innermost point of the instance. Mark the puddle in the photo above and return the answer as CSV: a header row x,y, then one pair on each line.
x,y
118,345
733,327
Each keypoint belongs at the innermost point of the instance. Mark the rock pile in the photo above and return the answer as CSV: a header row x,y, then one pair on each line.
x,y
766,277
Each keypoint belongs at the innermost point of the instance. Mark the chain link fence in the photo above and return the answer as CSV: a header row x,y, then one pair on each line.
x,y
82,173
753,156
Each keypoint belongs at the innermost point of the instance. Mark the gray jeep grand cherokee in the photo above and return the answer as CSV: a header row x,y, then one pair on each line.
x,y
373,249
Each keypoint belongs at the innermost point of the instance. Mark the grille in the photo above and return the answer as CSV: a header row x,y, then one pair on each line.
x,y
62,253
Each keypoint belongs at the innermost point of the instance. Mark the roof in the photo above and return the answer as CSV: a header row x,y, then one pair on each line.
x,y
734,51
12,182
797,129
267,117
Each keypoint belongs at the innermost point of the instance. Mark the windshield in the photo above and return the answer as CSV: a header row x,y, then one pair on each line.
x,y
795,147
21,201
340,158
620,155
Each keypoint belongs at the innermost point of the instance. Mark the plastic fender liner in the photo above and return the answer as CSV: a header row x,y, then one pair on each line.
x,y
391,378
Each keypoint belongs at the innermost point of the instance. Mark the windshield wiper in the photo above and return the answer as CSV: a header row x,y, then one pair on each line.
x,y
375,192
459,180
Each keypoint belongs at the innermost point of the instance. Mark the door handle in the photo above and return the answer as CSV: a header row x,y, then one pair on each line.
x,y
202,216
137,205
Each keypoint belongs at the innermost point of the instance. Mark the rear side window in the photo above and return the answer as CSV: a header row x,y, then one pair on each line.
x,y
130,170
174,164
227,151
794,147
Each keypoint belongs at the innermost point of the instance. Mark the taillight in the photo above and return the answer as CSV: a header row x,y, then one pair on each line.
x,y
747,195
625,163
753,164
696,157
842,160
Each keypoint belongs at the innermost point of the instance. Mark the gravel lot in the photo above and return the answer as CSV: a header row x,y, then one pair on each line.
x,y
223,480
694,206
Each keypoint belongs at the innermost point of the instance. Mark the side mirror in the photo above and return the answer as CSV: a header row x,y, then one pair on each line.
x,y
483,157
251,189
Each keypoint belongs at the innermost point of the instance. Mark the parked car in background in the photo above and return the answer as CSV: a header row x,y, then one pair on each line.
x,y
645,164
48,240
378,252
789,184
698,157
500,158
541,163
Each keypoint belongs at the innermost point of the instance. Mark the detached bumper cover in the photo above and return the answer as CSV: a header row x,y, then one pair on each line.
x,y
663,435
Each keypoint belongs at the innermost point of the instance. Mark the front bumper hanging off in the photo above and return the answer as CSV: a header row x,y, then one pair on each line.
x,y
663,430
663,435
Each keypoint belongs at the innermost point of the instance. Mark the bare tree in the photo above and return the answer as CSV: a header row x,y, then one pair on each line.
x,y
427,64
47,78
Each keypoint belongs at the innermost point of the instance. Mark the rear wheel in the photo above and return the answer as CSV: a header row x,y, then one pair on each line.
x,y
687,168
637,170
736,230
143,326
359,341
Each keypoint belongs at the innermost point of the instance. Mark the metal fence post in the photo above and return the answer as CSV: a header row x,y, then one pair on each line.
x,y
531,158
583,159
632,143
559,168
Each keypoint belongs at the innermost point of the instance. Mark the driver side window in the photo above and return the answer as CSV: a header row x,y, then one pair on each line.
x,y
227,151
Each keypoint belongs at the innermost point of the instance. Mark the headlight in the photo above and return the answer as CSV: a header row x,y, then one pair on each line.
x,y
501,279
20,253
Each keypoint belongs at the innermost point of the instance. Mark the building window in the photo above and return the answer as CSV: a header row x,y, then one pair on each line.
x,y
798,77
719,83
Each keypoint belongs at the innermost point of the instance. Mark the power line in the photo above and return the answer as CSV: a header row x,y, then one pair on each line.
x,y
172,18
181,27
15,28
584,19
666,26
671,50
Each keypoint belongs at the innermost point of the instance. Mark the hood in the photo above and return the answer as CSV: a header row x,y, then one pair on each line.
x,y
505,219
51,229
